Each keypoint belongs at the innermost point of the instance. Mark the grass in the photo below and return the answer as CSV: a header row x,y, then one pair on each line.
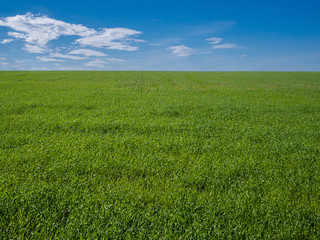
x,y
160,155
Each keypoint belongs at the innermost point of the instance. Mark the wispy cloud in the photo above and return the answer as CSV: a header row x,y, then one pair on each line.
x,y
111,38
243,55
35,48
97,63
155,44
88,53
21,61
181,50
214,40
226,46
59,55
4,41
37,31
102,63
46,59
114,60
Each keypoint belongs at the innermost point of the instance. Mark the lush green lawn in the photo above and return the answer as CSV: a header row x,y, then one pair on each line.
x,y
160,155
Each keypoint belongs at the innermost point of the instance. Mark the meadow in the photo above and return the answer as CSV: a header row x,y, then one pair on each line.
x,y
159,155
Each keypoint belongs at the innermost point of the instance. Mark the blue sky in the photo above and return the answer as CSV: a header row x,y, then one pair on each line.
x,y
160,35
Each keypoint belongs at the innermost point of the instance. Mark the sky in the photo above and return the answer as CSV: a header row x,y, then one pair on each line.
x,y
162,35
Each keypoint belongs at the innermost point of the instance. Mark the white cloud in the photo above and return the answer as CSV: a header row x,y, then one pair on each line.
x,y
3,58
181,50
4,41
21,61
88,52
155,44
16,34
138,40
37,31
114,60
214,40
59,55
243,55
4,64
97,63
101,63
34,48
111,38
46,59
225,46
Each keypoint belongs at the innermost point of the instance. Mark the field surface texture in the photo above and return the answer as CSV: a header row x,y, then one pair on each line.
x,y
159,155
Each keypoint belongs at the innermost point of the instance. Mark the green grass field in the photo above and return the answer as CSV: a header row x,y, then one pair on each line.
x,y
160,155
